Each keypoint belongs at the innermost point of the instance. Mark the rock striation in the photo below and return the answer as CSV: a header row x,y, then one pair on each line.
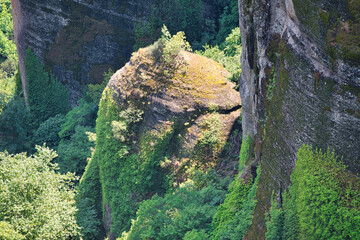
x,y
300,84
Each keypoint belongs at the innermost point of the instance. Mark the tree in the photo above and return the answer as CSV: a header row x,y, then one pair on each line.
x,y
187,211
35,201
48,131
47,96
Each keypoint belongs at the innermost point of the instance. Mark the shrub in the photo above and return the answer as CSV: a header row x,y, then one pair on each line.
x,y
234,216
73,153
228,54
89,199
322,203
82,115
175,215
37,202
326,197
275,223
7,232
14,127
48,131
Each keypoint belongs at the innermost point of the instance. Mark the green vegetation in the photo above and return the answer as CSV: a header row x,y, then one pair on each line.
x,y
8,55
73,153
271,85
14,127
47,97
209,142
127,178
89,202
48,131
228,54
234,216
199,28
323,201
7,232
187,212
275,222
35,201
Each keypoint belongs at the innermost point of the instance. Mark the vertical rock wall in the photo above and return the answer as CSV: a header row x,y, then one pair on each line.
x,y
77,40
300,85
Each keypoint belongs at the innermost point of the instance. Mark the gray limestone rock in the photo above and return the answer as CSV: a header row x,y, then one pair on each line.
x,y
309,52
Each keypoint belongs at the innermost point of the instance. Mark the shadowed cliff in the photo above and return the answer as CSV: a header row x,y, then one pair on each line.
x,y
77,40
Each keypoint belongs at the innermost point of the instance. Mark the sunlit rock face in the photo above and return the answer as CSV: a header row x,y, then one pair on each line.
x,y
154,119
78,40
300,85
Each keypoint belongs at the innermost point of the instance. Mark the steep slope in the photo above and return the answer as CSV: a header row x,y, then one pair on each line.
x,y
160,116
300,85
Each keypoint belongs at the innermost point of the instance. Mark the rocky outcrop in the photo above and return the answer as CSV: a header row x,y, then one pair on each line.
x,y
300,84
78,40
159,119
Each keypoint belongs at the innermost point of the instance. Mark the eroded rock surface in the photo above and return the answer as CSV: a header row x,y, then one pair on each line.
x,y
160,119
300,85
78,40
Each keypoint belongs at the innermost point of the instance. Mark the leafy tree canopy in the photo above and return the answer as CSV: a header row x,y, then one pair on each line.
x,y
35,201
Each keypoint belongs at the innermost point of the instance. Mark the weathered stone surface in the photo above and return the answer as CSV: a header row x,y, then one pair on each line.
x,y
311,51
179,103
76,39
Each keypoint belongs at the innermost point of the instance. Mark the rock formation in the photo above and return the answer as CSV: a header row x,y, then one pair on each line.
x,y
300,84
77,40
159,118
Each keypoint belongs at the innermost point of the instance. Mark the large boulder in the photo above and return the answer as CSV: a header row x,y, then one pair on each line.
x,y
160,118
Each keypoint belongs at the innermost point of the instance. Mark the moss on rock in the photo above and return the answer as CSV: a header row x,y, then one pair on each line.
x,y
153,125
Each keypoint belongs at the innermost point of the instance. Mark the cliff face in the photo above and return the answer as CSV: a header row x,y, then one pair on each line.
x,y
300,85
78,40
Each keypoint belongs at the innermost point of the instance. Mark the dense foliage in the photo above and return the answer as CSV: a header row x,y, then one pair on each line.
x,y
176,214
228,54
323,201
35,201
199,25
234,216
47,97
48,131
8,55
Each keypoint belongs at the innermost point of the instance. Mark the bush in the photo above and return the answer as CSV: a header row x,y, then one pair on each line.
x,y
229,20
73,153
322,203
82,115
228,54
326,196
89,203
14,127
48,131
7,232
234,216
175,215
37,202
275,223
